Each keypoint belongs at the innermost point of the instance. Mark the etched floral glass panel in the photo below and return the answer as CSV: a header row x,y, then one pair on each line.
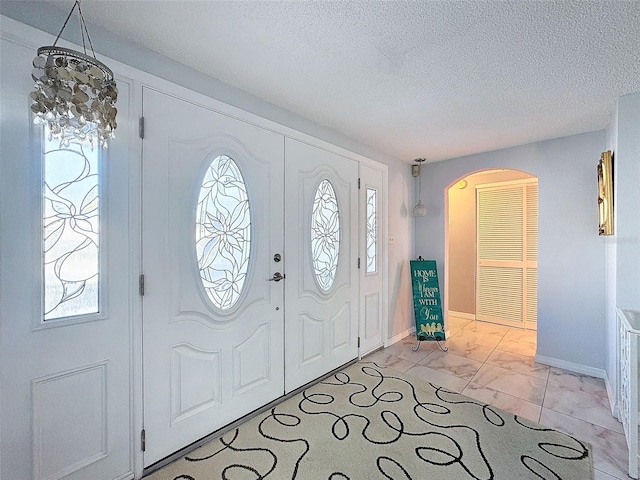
x,y
372,231
71,222
223,232
325,234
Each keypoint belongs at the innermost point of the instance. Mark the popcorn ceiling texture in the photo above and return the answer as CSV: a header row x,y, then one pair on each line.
x,y
436,79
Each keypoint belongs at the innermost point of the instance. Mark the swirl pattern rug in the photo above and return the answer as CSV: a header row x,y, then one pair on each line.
x,y
368,422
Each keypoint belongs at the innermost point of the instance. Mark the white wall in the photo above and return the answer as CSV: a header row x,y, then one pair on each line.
x,y
571,255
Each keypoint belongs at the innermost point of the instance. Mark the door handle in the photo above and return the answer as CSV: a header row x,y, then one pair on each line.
x,y
277,277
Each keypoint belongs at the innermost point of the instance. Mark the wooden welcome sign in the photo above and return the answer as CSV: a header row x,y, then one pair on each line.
x,y
426,300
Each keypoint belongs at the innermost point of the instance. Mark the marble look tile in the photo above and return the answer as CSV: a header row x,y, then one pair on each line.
x,y
586,406
578,381
438,378
513,383
522,335
447,362
463,348
485,327
603,476
413,341
503,401
518,363
408,339
451,331
404,351
610,453
516,346
383,359
488,339
457,322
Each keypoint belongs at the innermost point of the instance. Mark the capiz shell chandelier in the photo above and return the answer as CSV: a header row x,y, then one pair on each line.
x,y
74,94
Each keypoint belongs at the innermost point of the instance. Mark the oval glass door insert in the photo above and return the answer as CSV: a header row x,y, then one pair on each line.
x,y
325,235
223,232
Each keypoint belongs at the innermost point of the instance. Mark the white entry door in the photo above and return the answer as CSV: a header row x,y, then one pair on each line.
x,y
212,225
372,253
321,330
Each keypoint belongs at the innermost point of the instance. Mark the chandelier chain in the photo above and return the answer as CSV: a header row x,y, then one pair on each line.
x,y
74,94
83,29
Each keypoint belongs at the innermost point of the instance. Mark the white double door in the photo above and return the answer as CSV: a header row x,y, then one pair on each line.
x,y
219,345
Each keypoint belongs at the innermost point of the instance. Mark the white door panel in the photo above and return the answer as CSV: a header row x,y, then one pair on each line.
x,y
321,324
372,254
207,365
65,397
507,246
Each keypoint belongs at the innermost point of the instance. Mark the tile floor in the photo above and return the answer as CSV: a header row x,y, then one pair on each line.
x,y
494,364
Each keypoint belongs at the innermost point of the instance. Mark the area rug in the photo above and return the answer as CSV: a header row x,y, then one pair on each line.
x,y
368,422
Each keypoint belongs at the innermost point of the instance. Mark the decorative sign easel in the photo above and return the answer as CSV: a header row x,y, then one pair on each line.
x,y
426,302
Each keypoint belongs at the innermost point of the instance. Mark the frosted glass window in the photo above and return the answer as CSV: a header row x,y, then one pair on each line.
x,y
223,232
71,221
372,231
325,234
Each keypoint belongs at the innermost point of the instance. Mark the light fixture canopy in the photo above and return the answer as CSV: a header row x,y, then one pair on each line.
x,y
74,94
420,210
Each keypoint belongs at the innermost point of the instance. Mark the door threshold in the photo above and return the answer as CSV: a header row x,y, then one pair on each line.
x,y
236,423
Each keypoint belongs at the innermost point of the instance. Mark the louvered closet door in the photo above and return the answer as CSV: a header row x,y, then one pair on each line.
x,y
507,251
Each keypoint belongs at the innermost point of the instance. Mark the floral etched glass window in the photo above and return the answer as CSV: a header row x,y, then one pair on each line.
x,y
372,231
325,235
71,223
223,232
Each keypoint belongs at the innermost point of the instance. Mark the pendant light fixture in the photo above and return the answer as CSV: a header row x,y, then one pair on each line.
x,y
420,210
74,94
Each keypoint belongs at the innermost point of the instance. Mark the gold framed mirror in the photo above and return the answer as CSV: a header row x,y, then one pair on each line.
x,y
605,193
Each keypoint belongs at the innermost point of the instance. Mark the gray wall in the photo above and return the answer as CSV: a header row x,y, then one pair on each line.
x,y
610,267
571,258
401,223
627,168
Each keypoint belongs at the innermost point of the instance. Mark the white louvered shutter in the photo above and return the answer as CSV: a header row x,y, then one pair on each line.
x,y
507,232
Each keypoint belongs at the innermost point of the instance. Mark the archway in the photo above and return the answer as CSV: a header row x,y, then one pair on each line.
x,y
467,296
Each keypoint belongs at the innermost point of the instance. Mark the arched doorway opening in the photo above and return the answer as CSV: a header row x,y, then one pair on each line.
x,y
491,248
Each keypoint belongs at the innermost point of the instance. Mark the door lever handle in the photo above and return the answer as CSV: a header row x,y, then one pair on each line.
x,y
277,277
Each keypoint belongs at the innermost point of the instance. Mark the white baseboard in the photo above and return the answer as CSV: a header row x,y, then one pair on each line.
x,y
572,367
612,397
400,336
466,316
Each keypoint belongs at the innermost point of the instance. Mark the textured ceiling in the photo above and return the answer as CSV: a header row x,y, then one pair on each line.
x,y
436,79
